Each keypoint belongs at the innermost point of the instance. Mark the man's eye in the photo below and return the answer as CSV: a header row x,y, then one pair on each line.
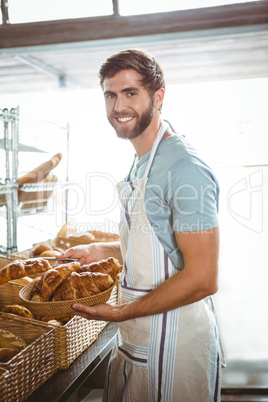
x,y
130,94
109,96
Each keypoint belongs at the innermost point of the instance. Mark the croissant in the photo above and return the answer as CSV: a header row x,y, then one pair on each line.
x,y
109,266
82,285
48,283
18,310
36,291
19,268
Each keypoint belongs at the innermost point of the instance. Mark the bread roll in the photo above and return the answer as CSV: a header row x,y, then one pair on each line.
x,y
55,323
41,248
20,268
58,317
49,253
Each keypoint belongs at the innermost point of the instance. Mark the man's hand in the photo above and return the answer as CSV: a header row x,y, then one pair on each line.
x,y
89,253
83,253
102,312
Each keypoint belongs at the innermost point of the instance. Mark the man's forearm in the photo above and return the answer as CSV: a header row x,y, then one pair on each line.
x,y
179,290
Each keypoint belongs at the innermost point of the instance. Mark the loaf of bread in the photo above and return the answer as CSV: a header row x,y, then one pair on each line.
x,y
40,173
45,286
83,284
19,268
109,266
10,340
17,309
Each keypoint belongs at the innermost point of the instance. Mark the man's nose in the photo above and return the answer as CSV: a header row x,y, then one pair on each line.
x,y
119,105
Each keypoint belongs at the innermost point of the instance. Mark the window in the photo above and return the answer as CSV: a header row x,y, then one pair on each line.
x,y
130,7
21,11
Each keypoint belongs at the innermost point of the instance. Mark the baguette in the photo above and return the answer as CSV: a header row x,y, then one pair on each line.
x,y
40,173
20,268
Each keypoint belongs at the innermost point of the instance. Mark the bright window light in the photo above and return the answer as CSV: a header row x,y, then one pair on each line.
x,y
21,11
130,7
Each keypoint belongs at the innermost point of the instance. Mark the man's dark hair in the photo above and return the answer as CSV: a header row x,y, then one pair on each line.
x,y
152,76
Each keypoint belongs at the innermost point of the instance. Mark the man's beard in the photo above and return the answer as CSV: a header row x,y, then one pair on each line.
x,y
141,125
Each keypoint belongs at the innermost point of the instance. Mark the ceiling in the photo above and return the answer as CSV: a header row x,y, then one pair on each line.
x,y
191,46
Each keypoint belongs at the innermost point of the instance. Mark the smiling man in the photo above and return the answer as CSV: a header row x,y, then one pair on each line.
x,y
168,346
130,109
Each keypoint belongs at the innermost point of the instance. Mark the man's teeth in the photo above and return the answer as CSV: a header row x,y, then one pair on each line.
x,y
123,119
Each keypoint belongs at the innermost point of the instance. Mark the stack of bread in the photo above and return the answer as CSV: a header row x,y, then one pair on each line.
x,y
64,282
45,250
72,281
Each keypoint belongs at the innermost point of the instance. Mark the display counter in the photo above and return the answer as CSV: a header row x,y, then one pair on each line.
x,y
64,385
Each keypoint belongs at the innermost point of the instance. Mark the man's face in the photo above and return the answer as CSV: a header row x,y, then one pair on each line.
x,y
129,107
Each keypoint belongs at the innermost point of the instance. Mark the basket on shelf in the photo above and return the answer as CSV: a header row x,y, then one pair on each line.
x,y
94,236
34,364
56,242
35,196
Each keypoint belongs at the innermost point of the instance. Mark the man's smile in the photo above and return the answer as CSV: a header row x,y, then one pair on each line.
x,y
124,119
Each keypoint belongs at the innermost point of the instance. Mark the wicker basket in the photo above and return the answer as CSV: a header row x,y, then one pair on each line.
x,y
32,366
3,385
9,292
57,242
98,236
77,335
42,309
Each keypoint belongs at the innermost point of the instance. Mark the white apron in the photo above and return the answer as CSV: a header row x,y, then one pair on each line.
x,y
173,356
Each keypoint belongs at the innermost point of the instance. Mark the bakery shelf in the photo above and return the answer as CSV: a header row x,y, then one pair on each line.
x,y
20,135
21,147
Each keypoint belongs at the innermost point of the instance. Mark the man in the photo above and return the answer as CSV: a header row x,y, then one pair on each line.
x,y
168,346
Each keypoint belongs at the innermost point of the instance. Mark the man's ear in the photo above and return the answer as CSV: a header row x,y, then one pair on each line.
x,y
159,97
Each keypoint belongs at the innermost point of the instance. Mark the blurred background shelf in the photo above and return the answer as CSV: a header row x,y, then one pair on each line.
x,y
20,136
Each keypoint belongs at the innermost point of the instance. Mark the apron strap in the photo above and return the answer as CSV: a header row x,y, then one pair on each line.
x,y
160,135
